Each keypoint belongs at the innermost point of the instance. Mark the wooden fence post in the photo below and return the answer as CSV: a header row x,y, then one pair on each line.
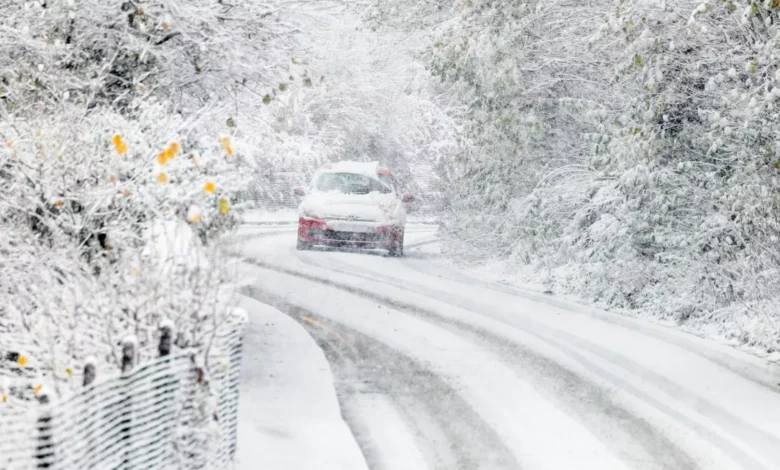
x,y
163,382
129,353
236,354
166,338
129,346
89,373
44,448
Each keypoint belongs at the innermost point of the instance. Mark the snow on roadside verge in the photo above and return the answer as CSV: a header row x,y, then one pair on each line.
x,y
289,416
259,216
505,273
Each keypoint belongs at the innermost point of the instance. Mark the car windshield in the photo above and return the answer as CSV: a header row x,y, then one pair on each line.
x,y
352,183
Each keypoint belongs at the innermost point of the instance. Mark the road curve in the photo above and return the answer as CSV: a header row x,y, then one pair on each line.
x,y
435,369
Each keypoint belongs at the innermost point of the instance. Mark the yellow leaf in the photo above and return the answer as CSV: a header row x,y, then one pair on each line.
x,y
119,144
175,148
162,178
164,156
22,361
194,218
210,187
226,145
224,205
69,371
10,143
37,389
59,203
5,398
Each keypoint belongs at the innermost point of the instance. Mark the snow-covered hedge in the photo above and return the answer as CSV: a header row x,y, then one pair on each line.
x,y
120,159
626,151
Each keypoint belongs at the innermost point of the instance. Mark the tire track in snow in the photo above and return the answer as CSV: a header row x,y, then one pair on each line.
x,y
452,435
630,438
564,341
571,390
768,377
538,434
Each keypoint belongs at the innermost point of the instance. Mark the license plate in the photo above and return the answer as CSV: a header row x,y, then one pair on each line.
x,y
340,226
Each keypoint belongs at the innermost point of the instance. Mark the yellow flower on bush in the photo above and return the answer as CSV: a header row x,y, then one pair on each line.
x,y
224,205
10,143
22,361
210,187
37,389
165,156
226,145
119,145
162,178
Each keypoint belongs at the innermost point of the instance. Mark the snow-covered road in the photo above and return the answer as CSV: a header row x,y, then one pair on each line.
x,y
435,369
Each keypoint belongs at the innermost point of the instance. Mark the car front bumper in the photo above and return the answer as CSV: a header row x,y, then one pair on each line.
x,y
343,233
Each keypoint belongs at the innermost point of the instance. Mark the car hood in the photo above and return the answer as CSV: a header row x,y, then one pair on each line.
x,y
373,207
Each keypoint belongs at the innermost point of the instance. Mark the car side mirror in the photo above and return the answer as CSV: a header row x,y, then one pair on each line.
x,y
299,191
407,198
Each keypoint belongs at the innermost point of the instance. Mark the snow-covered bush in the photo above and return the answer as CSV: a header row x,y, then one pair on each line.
x,y
622,150
696,159
529,83
120,161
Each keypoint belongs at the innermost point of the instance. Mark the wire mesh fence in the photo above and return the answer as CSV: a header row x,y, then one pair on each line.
x,y
167,413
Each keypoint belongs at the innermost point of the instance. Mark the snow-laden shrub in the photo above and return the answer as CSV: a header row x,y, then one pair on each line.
x,y
120,164
625,151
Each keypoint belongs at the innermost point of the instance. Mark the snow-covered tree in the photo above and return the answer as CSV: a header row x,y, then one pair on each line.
x,y
354,93
622,150
694,159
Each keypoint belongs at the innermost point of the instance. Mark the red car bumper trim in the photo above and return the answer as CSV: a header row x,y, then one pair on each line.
x,y
317,232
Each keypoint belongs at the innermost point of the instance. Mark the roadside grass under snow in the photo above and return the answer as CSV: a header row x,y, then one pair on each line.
x,y
562,283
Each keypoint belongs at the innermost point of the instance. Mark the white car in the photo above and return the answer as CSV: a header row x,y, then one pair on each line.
x,y
352,204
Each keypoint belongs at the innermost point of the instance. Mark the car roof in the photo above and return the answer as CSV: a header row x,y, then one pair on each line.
x,y
363,168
